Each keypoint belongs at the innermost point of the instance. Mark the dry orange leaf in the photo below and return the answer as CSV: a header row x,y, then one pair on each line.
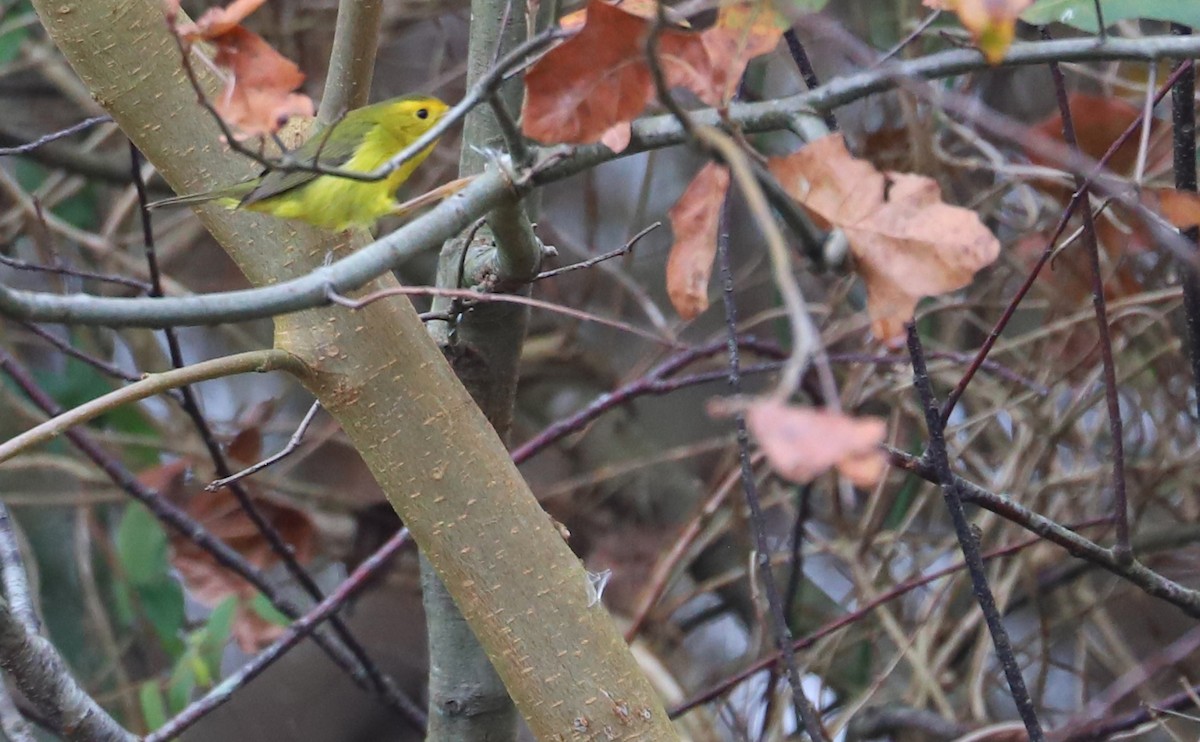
x,y
259,94
599,78
1180,208
801,443
216,21
992,23
907,243
694,221
1099,120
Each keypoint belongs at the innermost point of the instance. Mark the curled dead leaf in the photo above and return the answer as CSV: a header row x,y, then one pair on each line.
x,y
907,243
210,583
219,512
216,21
992,23
801,443
1099,121
259,95
599,78
694,221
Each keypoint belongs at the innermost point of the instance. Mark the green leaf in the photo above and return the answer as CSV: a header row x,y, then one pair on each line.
x,y
123,603
201,670
809,6
220,623
182,683
142,552
902,503
153,710
268,612
1081,14
214,636
142,547
10,43
162,603
78,210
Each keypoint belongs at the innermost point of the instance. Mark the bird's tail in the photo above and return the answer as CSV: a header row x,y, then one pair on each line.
x,y
195,198
228,197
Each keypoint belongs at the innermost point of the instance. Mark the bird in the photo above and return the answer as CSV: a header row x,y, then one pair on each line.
x,y
362,141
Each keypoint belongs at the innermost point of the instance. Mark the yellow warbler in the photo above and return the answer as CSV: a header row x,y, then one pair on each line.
x,y
362,141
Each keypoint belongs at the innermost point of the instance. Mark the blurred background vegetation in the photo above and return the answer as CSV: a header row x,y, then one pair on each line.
x,y
145,628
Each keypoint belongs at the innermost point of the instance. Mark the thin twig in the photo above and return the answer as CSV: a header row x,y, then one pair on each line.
x,y
804,64
1151,582
292,444
849,619
658,75
479,296
44,140
1076,200
1121,550
622,250
1183,138
648,383
1108,729
806,343
939,460
62,270
913,35
781,631
99,364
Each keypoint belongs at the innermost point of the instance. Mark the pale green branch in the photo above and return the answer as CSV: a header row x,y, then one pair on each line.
x,y
256,361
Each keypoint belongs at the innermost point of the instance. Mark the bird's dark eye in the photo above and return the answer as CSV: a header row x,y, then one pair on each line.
x,y
422,113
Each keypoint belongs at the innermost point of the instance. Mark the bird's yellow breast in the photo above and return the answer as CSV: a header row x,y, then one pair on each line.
x,y
340,203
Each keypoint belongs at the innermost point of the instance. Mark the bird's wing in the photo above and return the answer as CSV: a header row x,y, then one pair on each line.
x,y
329,151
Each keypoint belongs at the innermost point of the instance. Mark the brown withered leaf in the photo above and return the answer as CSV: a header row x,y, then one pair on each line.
x,y
907,243
801,443
599,78
210,583
742,32
1180,208
1099,120
219,512
216,21
992,23
694,221
259,95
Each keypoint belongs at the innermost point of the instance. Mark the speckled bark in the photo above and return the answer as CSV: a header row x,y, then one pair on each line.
x,y
467,700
